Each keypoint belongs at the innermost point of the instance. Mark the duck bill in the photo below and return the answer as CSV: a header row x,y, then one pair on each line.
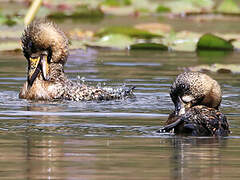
x,y
45,68
37,65
181,107
33,69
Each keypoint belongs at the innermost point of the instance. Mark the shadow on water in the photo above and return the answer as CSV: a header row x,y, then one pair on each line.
x,y
115,139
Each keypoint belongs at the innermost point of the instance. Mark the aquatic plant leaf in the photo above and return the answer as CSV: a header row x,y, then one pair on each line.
x,y
148,46
128,31
118,41
219,68
236,44
182,41
181,7
79,12
228,6
117,2
212,42
10,46
190,6
144,6
163,9
128,7
9,21
77,44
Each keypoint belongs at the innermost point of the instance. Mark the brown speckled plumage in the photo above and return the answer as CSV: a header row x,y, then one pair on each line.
x,y
197,98
198,88
199,121
45,35
44,39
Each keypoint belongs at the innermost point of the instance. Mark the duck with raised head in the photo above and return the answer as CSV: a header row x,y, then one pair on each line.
x,y
197,98
46,49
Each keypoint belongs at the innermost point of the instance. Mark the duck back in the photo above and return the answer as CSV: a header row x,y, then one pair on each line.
x,y
199,121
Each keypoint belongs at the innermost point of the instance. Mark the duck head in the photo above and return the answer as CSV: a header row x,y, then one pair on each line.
x,y
194,88
43,44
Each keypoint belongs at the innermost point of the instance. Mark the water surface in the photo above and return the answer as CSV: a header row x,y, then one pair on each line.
x,y
115,139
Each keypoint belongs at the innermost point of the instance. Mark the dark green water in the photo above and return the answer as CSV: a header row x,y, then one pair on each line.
x,y
116,139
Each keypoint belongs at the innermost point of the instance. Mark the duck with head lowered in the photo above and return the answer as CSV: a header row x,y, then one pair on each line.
x,y
46,49
196,98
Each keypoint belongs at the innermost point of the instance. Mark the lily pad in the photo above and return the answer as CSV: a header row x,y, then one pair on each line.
x,y
10,46
148,46
77,44
128,31
144,5
212,42
8,20
163,9
118,41
182,41
229,7
79,12
219,68
117,2
189,6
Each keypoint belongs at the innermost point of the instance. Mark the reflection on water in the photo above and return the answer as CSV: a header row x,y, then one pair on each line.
x,y
42,156
115,139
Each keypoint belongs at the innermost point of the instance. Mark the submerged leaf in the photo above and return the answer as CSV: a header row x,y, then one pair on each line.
x,y
148,46
212,42
128,31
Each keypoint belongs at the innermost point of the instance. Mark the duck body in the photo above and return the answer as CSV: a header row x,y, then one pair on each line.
x,y
197,99
198,121
45,47
62,88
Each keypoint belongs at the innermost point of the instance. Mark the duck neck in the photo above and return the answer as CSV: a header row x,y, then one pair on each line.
x,y
56,72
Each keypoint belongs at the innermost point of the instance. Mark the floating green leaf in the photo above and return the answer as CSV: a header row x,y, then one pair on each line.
x,y
144,5
148,46
190,6
182,41
118,41
128,31
219,68
117,2
163,9
79,12
8,20
181,7
212,42
10,46
76,44
228,6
